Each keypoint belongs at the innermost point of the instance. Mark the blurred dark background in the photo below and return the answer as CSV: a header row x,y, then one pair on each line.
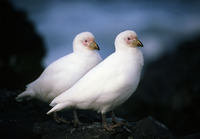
x,y
22,49
169,88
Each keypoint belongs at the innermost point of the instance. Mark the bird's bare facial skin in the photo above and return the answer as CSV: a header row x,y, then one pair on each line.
x,y
86,42
133,41
91,44
129,39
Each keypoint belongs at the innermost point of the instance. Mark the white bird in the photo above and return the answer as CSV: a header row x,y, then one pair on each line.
x,y
64,72
110,83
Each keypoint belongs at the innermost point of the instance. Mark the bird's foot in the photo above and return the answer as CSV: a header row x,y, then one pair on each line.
x,y
77,123
115,125
120,123
108,128
60,119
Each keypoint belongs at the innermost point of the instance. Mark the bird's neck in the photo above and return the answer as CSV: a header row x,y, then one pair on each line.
x,y
87,53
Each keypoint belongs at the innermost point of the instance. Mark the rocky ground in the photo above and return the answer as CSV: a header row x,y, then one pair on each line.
x,y
29,120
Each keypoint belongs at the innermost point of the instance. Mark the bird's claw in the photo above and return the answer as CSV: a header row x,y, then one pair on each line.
x,y
59,119
77,123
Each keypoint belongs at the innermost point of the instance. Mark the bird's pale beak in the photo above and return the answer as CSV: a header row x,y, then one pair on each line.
x,y
137,43
94,46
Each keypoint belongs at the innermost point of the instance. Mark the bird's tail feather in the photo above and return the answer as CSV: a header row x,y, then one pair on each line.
x,y
58,107
26,95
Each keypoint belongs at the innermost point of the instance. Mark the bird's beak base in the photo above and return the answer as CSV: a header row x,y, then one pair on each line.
x,y
94,46
137,43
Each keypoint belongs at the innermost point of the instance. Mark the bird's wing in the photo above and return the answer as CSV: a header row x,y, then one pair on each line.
x,y
50,79
95,84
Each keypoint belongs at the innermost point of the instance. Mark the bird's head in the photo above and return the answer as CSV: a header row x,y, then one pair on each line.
x,y
127,38
85,40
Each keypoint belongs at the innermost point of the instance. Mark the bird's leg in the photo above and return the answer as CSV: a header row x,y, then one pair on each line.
x,y
114,119
59,119
104,124
116,122
76,120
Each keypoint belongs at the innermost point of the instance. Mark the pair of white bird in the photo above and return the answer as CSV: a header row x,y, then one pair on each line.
x,y
79,80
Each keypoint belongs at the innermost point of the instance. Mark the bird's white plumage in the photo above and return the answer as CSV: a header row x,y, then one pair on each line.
x,y
108,84
64,72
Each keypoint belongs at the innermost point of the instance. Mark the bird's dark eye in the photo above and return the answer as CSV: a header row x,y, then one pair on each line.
x,y
85,40
128,38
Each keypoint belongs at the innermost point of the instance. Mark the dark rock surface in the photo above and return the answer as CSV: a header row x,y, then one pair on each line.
x,y
29,120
